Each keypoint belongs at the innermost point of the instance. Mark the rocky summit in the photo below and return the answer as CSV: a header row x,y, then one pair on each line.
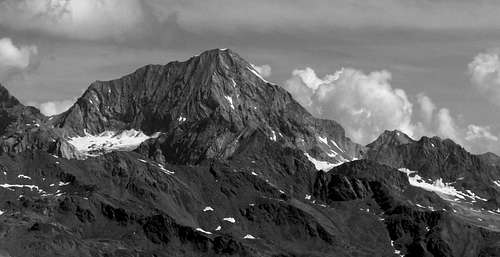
x,y
206,158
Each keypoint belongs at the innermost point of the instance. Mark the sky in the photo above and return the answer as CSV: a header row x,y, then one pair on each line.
x,y
425,67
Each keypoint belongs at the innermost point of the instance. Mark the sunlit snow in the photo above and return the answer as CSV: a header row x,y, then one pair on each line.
x,y
230,219
203,231
230,100
439,187
273,136
208,208
23,176
31,187
256,73
321,165
108,141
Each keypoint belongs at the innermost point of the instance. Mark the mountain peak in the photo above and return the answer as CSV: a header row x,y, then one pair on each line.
x,y
391,137
205,106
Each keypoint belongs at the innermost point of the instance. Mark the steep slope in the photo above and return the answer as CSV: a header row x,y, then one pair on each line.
x,y
24,128
203,108
442,165
419,222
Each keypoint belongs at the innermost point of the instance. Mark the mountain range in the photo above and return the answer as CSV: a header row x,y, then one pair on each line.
x,y
207,158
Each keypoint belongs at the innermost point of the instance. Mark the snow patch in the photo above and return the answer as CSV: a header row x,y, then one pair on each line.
x,y
229,219
335,144
168,172
23,176
321,165
256,73
230,100
109,141
308,197
31,187
203,231
181,119
273,136
218,228
438,186
208,208
324,140
248,236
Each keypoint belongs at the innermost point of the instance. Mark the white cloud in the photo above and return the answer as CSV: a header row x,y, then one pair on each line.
x,y
80,19
263,70
14,58
366,104
447,127
475,132
484,73
53,107
427,108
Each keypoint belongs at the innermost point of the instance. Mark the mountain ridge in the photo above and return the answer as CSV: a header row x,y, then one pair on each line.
x,y
206,158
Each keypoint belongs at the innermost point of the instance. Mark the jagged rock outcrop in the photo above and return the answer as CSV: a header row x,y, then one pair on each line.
x,y
414,229
434,159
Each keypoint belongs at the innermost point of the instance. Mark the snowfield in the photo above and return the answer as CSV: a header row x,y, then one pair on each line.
x,y
109,141
444,190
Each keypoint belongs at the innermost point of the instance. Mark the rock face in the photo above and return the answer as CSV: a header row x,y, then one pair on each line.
x,y
205,106
435,158
230,166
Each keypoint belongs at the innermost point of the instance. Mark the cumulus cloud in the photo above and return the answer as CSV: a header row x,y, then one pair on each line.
x,y
89,19
475,132
366,104
53,107
14,58
264,70
484,73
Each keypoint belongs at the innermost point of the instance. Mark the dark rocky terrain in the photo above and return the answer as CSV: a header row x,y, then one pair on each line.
x,y
230,165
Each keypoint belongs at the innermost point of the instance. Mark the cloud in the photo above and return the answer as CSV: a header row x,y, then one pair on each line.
x,y
484,73
289,16
263,70
475,132
427,108
366,104
14,59
53,107
77,19
124,19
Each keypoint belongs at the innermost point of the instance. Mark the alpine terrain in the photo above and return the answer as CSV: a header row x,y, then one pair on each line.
x,y
206,158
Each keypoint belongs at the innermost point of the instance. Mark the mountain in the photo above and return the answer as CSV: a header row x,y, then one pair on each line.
x,y
203,108
437,159
207,158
